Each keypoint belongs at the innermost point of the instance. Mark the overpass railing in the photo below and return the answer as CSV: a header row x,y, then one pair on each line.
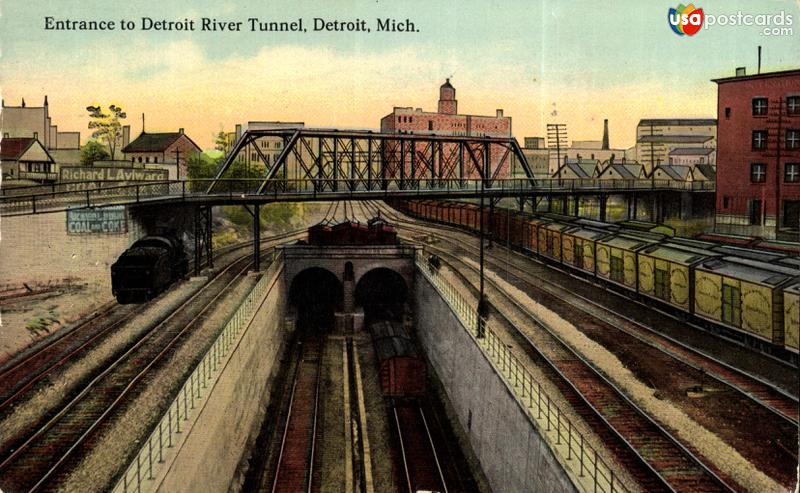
x,y
89,194
139,474
553,424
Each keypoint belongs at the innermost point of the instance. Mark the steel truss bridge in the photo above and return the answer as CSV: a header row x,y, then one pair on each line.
x,y
318,164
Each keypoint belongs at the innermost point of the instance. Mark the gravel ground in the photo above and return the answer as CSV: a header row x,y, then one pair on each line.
x,y
50,393
28,319
331,453
118,441
722,455
380,433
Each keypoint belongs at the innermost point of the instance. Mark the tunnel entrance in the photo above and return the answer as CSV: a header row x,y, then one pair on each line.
x,y
382,293
317,295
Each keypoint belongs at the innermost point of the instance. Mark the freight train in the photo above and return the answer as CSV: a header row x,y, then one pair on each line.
x,y
749,295
147,268
401,370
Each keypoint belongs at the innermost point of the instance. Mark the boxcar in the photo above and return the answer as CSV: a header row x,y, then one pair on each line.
x,y
616,257
400,369
743,295
578,247
665,273
530,233
550,239
791,317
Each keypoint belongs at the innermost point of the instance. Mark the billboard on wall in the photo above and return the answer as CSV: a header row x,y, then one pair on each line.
x,y
82,178
112,220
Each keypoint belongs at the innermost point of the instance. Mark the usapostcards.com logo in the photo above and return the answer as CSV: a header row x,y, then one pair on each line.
x,y
687,21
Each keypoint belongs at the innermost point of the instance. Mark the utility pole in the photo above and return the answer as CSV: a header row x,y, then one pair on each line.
x,y
178,163
557,137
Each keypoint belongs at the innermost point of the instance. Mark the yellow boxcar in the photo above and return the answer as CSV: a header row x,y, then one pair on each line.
x,y
664,272
578,246
616,258
749,298
791,317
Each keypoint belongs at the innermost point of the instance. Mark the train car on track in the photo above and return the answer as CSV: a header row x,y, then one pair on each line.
x,y
666,273
646,262
616,257
791,318
401,371
745,296
147,268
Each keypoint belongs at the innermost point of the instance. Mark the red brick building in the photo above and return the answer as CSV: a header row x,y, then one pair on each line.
x,y
447,121
758,154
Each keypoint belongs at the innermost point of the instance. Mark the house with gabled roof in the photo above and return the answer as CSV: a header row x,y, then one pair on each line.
x,y
577,169
625,170
164,150
25,158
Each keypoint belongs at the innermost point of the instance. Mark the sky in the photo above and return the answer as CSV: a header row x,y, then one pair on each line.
x,y
541,62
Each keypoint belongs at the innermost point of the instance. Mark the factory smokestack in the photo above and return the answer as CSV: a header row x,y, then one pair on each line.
x,y
605,134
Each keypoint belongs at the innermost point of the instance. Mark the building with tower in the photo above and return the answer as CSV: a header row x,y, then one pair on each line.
x,y
446,120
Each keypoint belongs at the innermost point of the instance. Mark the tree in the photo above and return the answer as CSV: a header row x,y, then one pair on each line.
x,y
107,126
93,151
221,141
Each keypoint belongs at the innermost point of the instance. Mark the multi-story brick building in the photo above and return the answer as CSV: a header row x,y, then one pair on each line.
x,y
447,121
758,154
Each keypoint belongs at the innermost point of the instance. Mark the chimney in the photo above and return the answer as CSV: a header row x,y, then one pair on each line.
x,y
180,131
126,135
499,113
740,72
23,102
759,59
605,134
142,122
45,98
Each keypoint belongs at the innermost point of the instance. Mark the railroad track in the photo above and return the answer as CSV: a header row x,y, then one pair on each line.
x,y
19,376
39,460
422,466
295,466
655,459
773,398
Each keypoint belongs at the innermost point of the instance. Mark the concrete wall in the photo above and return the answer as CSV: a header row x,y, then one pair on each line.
x,y
37,250
512,453
228,424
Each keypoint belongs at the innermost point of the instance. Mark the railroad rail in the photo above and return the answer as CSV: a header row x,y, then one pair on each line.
x,y
781,403
421,463
295,466
655,458
20,375
39,459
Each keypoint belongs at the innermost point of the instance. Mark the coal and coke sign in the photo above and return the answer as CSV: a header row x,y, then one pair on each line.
x,y
101,220
77,178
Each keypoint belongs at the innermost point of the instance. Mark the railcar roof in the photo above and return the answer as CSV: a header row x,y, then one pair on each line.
x,y
681,255
750,270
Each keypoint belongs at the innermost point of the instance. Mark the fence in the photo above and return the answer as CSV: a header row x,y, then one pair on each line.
x,y
541,410
205,374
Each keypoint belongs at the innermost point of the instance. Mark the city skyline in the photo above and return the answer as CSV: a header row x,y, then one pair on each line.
x,y
542,63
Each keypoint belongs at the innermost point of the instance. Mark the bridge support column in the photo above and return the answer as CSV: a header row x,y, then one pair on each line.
x,y
603,199
203,253
256,238
686,205
491,223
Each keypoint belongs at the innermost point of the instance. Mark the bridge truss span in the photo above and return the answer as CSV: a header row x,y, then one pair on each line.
x,y
322,161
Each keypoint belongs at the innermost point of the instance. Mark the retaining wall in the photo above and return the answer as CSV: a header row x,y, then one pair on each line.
x,y
230,419
512,454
